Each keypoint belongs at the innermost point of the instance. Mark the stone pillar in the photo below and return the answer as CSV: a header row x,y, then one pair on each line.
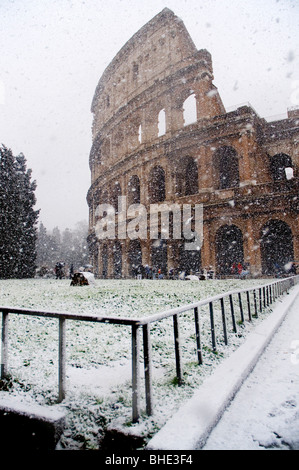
x,y
110,273
252,252
125,258
100,260
206,261
243,148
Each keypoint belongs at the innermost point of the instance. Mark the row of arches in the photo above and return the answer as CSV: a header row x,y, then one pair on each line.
x,y
226,172
276,244
135,132
189,109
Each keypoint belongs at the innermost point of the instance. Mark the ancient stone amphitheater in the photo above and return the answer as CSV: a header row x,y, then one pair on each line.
x,y
161,136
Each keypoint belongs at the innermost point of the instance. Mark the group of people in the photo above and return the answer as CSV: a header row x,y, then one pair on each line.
x,y
240,270
146,272
60,270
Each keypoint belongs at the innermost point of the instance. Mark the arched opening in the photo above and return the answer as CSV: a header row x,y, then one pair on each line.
x,y
189,110
279,165
159,256
134,257
157,185
105,261
140,134
187,177
189,261
104,197
191,178
134,190
115,193
277,249
227,167
117,260
161,123
229,249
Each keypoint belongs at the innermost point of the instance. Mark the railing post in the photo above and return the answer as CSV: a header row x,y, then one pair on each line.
x,y
4,345
223,320
61,360
233,313
255,303
135,374
212,327
197,331
147,368
241,307
270,294
177,349
248,306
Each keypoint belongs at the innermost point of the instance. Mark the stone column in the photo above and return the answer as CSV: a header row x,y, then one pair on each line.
x,y
206,261
252,252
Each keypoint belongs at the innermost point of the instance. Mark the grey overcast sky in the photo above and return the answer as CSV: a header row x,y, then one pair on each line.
x,y
53,52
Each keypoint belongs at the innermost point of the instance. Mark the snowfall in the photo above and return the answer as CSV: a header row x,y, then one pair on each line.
x,y
98,388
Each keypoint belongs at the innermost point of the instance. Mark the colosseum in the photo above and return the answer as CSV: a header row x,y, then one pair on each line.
x,y
162,138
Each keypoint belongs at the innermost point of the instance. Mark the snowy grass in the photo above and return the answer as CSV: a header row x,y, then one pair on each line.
x,y
99,355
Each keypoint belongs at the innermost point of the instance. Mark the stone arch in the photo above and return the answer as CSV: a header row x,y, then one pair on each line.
x,y
104,197
189,260
157,185
134,256
161,122
229,248
134,190
278,165
190,110
191,178
159,255
105,150
117,260
187,177
277,249
140,131
105,261
226,164
115,193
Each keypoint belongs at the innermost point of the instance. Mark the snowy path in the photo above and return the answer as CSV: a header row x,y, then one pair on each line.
x,y
265,411
251,401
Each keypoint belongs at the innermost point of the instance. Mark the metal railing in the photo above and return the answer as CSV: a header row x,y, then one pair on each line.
x,y
257,299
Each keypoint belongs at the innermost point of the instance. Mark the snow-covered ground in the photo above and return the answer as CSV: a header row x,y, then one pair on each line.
x,y
99,355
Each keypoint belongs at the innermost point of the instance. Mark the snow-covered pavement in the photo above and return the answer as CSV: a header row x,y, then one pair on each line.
x,y
264,413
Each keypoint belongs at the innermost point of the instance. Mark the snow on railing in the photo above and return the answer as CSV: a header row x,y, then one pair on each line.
x,y
263,296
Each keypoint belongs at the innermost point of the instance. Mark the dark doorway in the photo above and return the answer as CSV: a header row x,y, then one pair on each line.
x,y
278,164
159,256
117,260
276,247
105,261
227,166
157,185
135,257
190,260
229,248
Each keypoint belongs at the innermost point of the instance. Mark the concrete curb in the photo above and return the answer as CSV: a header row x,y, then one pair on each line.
x,y
190,427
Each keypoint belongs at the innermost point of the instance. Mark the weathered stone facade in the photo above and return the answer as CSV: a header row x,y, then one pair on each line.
x,y
147,148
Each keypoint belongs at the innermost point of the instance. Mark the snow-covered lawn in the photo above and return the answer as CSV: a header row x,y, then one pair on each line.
x,y
99,355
